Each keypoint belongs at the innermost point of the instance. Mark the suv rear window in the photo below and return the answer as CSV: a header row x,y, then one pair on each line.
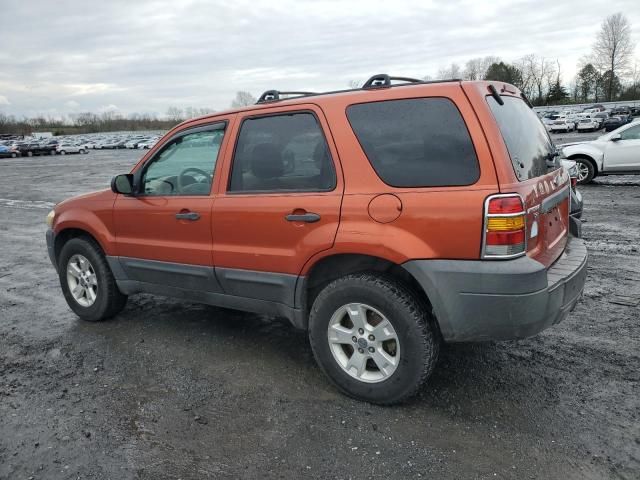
x,y
419,142
527,140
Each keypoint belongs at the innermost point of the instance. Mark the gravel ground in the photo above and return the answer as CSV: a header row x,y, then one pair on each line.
x,y
171,390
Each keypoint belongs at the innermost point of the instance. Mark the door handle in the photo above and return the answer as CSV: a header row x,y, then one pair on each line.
x,y
193,216
303,217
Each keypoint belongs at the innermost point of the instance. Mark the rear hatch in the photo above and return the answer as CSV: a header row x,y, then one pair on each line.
x,y
541,181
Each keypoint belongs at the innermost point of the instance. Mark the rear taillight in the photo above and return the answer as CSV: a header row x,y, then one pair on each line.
x,y
504,233
574,181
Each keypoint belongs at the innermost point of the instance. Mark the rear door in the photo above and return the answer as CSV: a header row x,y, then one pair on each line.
x,y
541,182
624,154
279,202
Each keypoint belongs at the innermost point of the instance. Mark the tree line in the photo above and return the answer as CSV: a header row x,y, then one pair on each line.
x,y
88,122
607,73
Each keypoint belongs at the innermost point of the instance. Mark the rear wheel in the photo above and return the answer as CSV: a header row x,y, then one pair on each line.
x,y
373,338
62,152
29,153
586,170
14,155
87,282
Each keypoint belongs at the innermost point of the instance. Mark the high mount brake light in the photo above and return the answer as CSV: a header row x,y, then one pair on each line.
x,y
504,234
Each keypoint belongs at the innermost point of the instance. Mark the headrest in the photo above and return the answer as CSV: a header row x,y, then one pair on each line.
x,y
266,161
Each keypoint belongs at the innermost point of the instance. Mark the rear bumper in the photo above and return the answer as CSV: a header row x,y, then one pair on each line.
x,y
501,300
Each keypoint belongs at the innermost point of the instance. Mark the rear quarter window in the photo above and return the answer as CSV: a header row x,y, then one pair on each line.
x,y
420,142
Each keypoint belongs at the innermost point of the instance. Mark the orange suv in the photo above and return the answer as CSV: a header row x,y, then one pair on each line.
x,y
382,220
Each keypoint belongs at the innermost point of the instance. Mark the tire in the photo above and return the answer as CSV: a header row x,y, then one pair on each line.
x,y
108,300
83,151
417,338
14,155
586,170
62,152
52,152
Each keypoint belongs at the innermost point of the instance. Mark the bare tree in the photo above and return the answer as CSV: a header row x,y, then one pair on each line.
x,y
476,68
613,48
175,114
243,99
447,73
538,74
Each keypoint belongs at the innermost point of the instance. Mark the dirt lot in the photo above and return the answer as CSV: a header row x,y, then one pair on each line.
x,y
175,390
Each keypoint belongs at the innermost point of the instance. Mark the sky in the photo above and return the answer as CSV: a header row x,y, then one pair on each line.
x,y
137,56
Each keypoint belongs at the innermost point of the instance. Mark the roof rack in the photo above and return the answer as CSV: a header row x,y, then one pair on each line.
x,y
275,95
383,80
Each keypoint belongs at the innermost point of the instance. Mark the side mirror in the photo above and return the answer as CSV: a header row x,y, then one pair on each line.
x,y
616,137
122,184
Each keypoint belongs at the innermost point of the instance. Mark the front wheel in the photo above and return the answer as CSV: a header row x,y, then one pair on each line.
x,y
87,282
373,337
586,170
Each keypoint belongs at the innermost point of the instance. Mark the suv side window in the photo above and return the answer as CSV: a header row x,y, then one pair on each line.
x,y
282,153
418,142
632,133
185,165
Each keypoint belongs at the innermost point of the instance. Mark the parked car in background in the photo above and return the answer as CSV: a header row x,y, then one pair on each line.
x,y
600,117
147,144
29,149
588,125
7,151
64,148
616,153
562,125
616,121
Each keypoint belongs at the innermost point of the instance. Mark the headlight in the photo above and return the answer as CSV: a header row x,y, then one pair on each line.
x,y
50,216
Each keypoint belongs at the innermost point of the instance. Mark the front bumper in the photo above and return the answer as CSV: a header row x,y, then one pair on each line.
x,y
51,249
501,300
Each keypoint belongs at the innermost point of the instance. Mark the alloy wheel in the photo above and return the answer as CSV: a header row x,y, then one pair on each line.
x,y
82,280
363,342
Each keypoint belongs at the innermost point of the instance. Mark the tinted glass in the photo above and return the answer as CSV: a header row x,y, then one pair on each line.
x,y
185,166
632,133
420,142
527,140
282,153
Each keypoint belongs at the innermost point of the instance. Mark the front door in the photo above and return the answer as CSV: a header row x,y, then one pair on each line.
x,y
163,233
624,155
278,205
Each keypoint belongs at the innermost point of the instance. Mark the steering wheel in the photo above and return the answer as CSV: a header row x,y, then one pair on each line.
x,y
180,179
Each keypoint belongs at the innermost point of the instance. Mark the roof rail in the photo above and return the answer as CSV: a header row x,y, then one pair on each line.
x,y
275,95
383,80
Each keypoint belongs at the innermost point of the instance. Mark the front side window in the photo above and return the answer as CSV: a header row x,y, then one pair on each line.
x,y
419,142
185,166
280,153
632,133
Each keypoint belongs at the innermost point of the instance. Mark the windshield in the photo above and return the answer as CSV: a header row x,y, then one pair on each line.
x,y
527,140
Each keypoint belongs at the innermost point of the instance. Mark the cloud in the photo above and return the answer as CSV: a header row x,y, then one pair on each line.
x,y
71,104
4,100
145,56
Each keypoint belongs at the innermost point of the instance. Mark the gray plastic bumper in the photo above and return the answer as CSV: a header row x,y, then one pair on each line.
x,y
501,300
50,248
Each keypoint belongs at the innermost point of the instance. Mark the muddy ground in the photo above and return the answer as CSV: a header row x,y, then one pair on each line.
x,y
171,390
